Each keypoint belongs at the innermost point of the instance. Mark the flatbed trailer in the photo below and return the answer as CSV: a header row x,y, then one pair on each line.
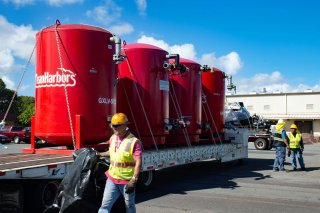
x,y
29,180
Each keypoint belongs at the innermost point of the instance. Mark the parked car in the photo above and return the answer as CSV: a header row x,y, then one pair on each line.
x,y
16,134
4,139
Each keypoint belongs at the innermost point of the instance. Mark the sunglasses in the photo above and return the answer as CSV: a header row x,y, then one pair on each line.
x,y
116,125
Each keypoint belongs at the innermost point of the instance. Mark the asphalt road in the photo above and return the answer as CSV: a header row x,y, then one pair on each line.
x,y
232,187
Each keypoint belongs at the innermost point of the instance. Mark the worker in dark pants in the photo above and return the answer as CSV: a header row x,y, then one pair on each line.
x,y
280,144
296,147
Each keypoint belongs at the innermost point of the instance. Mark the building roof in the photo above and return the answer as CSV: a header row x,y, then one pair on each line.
x,y
274,94
290,116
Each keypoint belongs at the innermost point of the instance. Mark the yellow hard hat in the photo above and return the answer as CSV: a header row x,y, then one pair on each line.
x,y
119,119
293,126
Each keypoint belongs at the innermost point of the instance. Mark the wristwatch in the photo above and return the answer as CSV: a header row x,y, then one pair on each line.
x,y
134,178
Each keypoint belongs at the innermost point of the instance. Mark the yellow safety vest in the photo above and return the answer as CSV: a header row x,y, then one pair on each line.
x,y
294,141
122,162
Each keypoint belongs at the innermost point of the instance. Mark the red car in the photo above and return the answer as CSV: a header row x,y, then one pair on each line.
x,y
16,134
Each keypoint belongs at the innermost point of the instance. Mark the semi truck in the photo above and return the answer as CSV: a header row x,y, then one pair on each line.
x,y
175,107
31,180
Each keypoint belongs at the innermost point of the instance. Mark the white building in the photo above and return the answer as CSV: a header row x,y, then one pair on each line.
x,y
301,108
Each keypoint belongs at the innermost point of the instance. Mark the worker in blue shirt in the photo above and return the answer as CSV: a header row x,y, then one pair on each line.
x,y
281,145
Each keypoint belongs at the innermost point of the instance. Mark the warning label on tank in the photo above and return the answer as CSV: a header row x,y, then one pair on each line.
x,y
61,78
164,85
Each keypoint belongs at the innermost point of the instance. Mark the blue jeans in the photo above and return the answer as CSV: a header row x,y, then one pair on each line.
x,y
296,153
112,192
280,158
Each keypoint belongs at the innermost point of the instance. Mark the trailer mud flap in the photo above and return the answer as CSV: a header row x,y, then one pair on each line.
x,y
11,198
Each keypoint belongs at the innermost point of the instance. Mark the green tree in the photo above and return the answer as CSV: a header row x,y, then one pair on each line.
x,y
5,98
25,116
22,107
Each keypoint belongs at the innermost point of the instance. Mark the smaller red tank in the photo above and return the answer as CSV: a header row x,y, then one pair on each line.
x,y
213,97
185,104
143,92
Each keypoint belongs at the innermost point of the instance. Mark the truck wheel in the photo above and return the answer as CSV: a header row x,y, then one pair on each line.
x,y
48,191
16,139
260,144
146,180
39,195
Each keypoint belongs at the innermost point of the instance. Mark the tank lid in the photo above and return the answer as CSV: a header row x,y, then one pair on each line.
x,y
76,27
142,46
188,61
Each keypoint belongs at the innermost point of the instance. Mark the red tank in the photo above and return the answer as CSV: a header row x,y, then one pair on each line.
x,y
82,63
213,87
143,92
185,101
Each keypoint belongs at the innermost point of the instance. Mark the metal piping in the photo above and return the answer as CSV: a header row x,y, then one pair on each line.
x,y
117,57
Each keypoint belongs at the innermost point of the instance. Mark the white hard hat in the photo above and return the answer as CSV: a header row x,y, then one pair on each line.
x,y
280,121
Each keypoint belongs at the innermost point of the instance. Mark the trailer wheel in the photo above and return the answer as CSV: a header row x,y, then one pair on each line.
x,y
46,193
260,144
146,180
16,139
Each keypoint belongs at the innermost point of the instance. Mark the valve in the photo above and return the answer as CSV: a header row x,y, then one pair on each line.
x,y
206,68
175,66
117,57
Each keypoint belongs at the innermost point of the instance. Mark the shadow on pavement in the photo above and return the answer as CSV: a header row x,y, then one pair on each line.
x,y
204,175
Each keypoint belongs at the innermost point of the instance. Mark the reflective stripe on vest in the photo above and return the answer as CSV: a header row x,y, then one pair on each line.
x,y
294,141
122,161
277,136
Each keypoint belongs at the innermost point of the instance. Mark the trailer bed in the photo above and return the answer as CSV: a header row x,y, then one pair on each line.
x,y
20,165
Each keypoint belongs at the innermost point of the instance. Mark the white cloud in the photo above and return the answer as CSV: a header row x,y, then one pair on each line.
x,y
230,63
121,29
63,2
9,83
19,3
271,82
150,40
105,14
185,50
16,43
142,6
6,59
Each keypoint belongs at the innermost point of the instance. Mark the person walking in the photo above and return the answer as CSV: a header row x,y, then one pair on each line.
x,y
280,144
296,147
125,152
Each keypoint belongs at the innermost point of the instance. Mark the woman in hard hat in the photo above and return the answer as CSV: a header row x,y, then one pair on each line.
x,y
125,153
296,147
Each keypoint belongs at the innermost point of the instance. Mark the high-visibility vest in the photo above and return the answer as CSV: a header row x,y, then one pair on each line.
x,y
278,140
122,162
294,140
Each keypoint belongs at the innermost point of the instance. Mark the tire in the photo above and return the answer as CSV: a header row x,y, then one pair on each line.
x,y
47,192
260,144
146,180
16,140
42,193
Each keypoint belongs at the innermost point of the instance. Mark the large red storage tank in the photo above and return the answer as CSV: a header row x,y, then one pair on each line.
x,y
213,87
185,100
80,56
143,92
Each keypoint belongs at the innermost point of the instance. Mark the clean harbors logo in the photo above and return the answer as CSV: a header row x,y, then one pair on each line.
x,y
61,78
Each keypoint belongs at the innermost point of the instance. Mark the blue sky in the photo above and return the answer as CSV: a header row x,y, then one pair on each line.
x,y
262,44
